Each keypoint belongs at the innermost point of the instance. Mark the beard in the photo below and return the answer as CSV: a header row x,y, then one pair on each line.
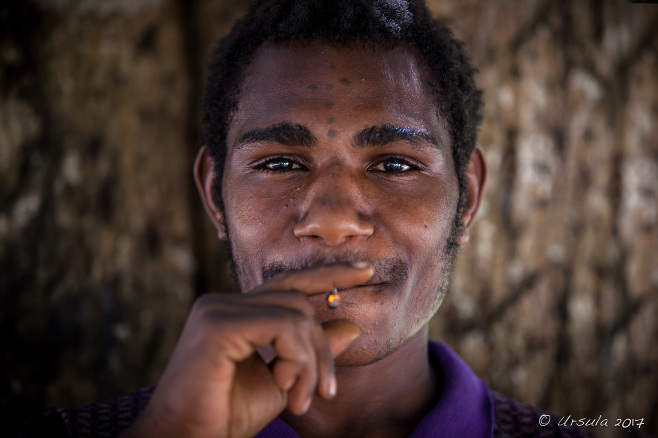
x,y
390,269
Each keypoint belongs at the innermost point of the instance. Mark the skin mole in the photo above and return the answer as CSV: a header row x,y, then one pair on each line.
x,y
331,120
329,104
345,81
331,133
312,86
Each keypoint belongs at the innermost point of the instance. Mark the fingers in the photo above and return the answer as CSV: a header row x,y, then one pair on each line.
x,y
303,363
318,373
326,386
289,332
335,337
214,381
304,377
318,280
340,333
280,316
296,371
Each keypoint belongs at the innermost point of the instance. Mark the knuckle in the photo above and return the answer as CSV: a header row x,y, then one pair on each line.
x,y
283,276
305,305
302,358
297,320
202,303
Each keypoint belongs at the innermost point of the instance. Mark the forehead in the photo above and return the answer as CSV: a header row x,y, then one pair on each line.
x,y
368,86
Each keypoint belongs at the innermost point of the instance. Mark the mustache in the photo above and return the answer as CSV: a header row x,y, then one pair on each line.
x,y
387,270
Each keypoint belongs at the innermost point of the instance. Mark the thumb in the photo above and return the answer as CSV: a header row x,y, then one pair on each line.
x,y
256,398
340,334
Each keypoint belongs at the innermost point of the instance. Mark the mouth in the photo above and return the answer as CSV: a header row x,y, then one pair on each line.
x,y
351,296
358,287
387,270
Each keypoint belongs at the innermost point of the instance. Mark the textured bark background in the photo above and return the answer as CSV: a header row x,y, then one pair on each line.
x,y
104,245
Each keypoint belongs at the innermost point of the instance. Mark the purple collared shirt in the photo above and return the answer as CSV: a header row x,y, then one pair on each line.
x,y
463,409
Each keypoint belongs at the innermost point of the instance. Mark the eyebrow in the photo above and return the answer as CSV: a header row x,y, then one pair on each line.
x,y
384,135
288,134
292,134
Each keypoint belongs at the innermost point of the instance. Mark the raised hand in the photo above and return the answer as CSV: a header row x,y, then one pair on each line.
x,y
216,384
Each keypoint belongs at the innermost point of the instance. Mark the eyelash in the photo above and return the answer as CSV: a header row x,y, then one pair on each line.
x,y
411,165
262,165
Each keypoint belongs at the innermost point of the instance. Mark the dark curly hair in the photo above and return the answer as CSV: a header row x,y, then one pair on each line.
x,y
370,23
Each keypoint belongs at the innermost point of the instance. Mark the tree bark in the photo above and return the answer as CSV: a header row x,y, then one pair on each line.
x,y
104,244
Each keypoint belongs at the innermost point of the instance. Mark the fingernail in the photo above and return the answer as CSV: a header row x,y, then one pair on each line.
x,y
361,265
307,405
332,386
289,384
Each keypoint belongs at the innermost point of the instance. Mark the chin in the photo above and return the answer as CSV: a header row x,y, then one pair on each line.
x,y
366,351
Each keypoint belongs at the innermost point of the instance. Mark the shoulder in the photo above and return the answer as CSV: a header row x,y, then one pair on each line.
x,y
50,423
105,419
514,419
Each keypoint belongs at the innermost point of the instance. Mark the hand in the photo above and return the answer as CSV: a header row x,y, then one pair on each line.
x,y
216,385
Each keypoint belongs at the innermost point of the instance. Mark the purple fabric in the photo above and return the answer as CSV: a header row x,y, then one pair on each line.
x,y
464,408
277,429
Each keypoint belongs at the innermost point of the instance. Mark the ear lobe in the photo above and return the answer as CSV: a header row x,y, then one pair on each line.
x,y
204,177
476,175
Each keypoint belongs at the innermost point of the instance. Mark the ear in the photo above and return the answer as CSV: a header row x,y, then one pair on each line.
x,y
476,175
204,177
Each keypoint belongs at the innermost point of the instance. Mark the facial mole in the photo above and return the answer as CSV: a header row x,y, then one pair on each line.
x,y
331,133
425,224
345,81
312,86
330,120
329,104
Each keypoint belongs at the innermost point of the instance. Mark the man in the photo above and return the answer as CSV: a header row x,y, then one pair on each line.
x,y
341,163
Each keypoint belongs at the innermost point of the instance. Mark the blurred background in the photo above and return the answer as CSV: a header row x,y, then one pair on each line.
x,y
104,244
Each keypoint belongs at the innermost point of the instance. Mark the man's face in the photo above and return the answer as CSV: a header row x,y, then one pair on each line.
x,y
340,155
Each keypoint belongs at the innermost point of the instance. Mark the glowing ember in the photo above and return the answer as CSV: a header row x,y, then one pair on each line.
x,y
333,299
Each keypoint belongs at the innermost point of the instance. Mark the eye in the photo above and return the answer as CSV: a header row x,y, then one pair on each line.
x,y
393,165
280,164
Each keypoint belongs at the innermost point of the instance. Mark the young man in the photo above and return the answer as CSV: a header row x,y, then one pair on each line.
x,y
341,160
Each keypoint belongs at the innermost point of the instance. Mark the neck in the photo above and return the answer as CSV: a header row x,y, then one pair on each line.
x,y
386,398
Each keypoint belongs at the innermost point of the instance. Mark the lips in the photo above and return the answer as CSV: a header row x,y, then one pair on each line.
x,y
349,297
387,270
361,286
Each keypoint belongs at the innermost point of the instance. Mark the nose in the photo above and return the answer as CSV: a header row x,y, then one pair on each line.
x,y
334,210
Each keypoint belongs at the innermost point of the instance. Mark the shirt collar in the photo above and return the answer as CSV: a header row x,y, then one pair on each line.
x,y
463,409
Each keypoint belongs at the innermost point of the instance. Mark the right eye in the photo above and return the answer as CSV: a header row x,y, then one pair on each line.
x,y
280,164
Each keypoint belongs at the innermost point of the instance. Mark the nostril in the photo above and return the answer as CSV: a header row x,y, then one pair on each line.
x,y
333,227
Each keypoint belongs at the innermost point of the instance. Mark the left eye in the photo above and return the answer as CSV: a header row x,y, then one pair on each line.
x,y
395,165
282,164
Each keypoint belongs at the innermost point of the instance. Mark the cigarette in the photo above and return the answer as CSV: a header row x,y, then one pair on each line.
x,y
333,299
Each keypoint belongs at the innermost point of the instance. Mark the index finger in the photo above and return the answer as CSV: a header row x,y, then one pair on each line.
x,y
318,280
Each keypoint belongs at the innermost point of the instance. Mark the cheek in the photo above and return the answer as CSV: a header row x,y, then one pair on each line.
x,y
427,238
425,217
256,218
